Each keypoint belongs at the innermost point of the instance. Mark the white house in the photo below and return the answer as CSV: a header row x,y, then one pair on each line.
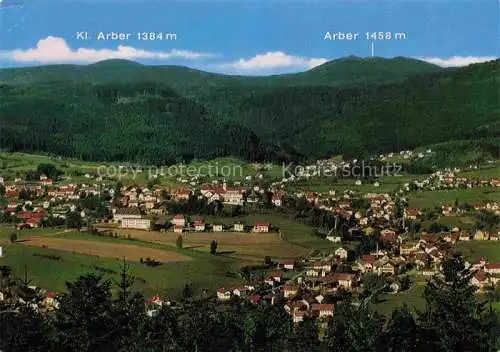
x,y
223,294
341,252
135,223
322,310
122,213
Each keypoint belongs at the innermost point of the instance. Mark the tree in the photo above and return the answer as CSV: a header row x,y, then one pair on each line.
x,y
405,282
48,170
304,337
268,261
74,220
213,247
24,330
162,330
453,318
179,241
373,282
187,292
13,237
85,316
355,329
338,338
128,313
402,333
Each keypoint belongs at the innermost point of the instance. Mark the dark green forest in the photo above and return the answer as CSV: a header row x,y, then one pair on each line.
x,y
119,110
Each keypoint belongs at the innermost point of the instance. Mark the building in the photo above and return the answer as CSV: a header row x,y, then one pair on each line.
x,y
334,238
179,220
134,223
290,290
238,227
199,225
479,236
130,213
341,252
322,310
344,279
277,200
223,294
289,264
261,226
492,268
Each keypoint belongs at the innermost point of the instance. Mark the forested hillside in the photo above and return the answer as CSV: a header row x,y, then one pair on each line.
x,y
141,122
451,105
119,110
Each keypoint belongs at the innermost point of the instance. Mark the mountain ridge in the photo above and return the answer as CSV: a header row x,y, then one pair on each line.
x,y
334,72
152,120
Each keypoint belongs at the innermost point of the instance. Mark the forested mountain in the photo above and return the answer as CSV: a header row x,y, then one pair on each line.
x,y
120,110
350,70
140,122
449,105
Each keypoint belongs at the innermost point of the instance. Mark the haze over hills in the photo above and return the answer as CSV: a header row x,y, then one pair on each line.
x,y
121,110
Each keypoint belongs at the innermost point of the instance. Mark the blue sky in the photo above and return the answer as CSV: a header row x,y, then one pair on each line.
x,y
249,37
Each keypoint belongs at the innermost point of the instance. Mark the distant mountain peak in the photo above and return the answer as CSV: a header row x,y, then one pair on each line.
x,y
117,62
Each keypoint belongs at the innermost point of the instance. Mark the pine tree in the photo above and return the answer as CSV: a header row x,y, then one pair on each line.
x,y
128,313
453,318
304,337
402,332
84,317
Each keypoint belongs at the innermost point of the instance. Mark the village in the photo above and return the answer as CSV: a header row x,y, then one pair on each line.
x,y
396,257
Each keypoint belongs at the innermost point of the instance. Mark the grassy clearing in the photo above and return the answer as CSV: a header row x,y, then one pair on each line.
x,y
462,222
293,231
413,298
473,250
204,271
486,173
6,230
17,164
428,199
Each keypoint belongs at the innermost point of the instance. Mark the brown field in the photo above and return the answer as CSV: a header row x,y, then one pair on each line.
x,y
108,250
246,246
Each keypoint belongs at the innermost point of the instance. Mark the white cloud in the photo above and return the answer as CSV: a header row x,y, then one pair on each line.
x,y
273,60
457,61
57,50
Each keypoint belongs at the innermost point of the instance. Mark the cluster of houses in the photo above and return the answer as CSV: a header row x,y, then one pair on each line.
x,y
314,279
132,218
181,224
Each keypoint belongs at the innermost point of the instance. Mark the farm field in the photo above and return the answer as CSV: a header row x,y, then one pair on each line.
x,y
296,238
243,246
292,231
169,278
428,199
106,250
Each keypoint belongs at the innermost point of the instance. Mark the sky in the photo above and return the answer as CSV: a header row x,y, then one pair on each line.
x,y
246,36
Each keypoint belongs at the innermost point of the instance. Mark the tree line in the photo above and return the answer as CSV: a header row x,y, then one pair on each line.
x,y
97,314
